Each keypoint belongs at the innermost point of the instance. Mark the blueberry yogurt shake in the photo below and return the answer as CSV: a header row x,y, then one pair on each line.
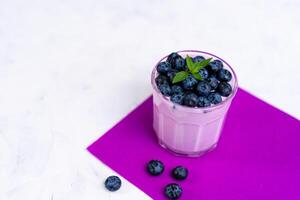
x,y
192,92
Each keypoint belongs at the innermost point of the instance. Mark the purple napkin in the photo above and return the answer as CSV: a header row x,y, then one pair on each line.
x,y
258,156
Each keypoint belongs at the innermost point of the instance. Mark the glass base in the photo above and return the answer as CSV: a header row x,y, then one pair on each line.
x,y
186,154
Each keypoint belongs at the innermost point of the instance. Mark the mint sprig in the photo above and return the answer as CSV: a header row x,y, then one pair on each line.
x,y
193,68
190,63
201,65
180,76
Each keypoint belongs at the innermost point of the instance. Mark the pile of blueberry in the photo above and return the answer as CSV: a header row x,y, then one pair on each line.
x,y
193,82
172,190
155,168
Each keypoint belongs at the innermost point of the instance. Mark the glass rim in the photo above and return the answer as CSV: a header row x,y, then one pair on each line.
x,y
200,109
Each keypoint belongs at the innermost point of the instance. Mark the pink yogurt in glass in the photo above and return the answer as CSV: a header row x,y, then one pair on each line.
x,y
189,131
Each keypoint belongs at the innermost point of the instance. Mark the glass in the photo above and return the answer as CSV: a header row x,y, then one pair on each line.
x,y
189,131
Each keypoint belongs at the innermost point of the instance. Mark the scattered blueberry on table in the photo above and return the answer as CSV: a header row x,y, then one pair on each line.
x,y
180,173
155,167
113,183
173,191
193,81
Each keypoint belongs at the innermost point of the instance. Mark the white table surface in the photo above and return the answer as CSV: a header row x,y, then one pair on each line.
x,y
69,70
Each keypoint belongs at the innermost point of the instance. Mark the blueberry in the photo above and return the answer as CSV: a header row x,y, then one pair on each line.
x,y
180,173
172,57
113,183
213,82
203,88
190,100
224,75
163,67
165,89
214,98
189,83
176,89
203,73
161,79
177,98
171,74
198,58
215,66
203,102
173,191
178,63
155,167
224,89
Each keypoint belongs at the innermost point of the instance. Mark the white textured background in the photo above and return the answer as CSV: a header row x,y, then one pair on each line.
x,y
70,69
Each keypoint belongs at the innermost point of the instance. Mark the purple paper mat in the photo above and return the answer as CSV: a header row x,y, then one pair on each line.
x,y
258,156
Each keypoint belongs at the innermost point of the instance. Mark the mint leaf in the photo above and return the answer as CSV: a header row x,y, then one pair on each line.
x,y
180,76
189,63
201,65
198,76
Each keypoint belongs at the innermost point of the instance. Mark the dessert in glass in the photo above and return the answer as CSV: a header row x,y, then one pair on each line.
x,y
192,92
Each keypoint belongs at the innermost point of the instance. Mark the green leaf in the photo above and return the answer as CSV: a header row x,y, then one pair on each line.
x,y
198,76
189,63
180,76
201,65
